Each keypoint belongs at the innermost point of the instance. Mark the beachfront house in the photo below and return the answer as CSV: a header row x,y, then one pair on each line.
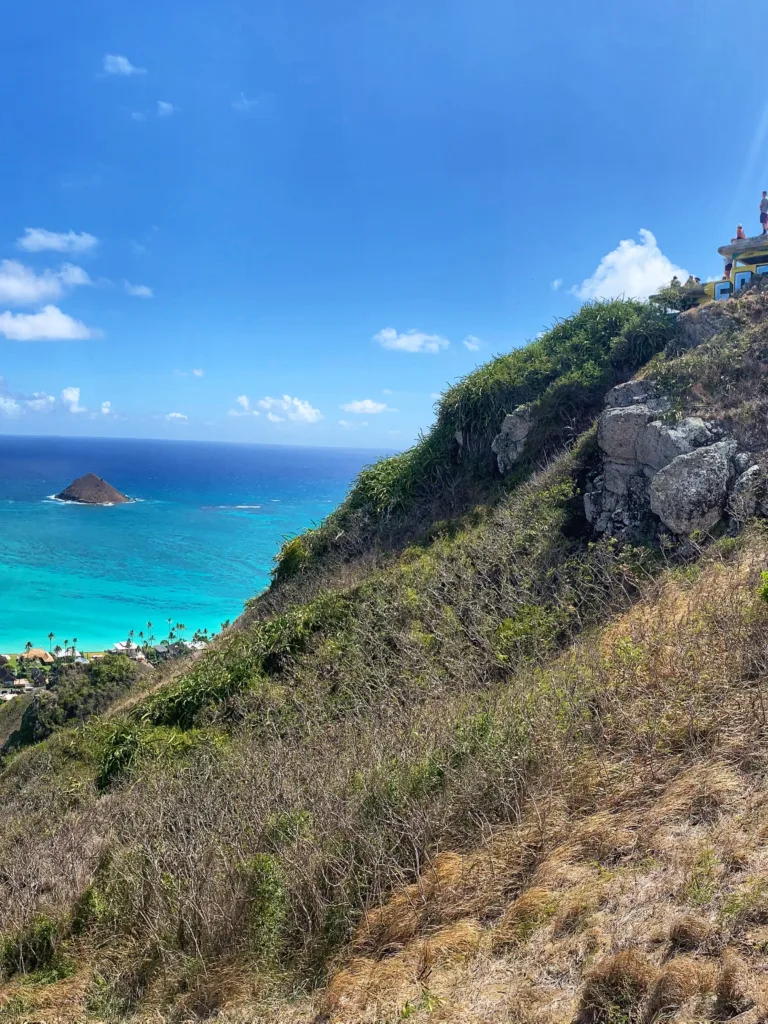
x,y
130,648
38,654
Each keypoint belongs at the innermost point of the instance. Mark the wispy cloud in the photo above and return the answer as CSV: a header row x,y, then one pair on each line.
x,y
633,269
472,343
70,398
165,109
244,407
557,284
356,425
106,408
176,417
9,407
40,402
198,372
50,324
366,407
410,341
139,291
115,64
243,105
296,409
42,240
21,286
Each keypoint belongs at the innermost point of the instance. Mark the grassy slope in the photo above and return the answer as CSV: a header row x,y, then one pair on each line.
x,y
487,694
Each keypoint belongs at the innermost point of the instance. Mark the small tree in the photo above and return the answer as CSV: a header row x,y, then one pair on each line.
x,y
28,646
51,638
74,645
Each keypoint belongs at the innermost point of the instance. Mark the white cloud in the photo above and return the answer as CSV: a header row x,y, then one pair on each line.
x,y
245,407
71,399
175,417
41,240
21,286
435,395
165,109
410,341
50,324
140,291
296,409
243,105
557,284
9,406
114,64
472,343
40,402
347,425
198,373
138,115
387,391
106,408
367,407
634,269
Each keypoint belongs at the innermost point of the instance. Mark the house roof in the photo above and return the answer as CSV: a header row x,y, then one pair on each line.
x,y
39,654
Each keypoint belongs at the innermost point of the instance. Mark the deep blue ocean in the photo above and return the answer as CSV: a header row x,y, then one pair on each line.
x,y
200,540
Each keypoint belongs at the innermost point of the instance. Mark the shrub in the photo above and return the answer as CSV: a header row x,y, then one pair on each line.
x,y
267,901
35,947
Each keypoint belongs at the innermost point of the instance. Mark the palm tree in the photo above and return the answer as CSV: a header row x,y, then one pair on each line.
x,y
51,638
66,646
169,620
28,646
57,650
181,628
74,645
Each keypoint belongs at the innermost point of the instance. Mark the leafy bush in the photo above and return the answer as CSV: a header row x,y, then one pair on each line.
x,y
36,947
267,901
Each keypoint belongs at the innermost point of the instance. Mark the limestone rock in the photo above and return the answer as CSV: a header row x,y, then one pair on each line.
x,y
696,326
660,443
617,476
690,492
509,443
747,494
619,429
637,392
92,490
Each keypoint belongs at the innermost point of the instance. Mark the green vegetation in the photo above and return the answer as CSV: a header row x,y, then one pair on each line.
x,y
563,375
258,810
76,692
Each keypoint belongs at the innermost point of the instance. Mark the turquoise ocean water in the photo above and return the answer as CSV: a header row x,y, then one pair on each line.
x,y
197,543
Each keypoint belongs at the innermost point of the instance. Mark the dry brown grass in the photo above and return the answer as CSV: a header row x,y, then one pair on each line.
x,y
641,835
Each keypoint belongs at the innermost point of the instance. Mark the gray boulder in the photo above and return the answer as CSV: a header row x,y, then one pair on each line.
x,y
619,429
690,492
617,475
747,494
634,392
509,443
660,443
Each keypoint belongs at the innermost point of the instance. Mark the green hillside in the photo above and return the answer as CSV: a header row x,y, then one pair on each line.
x,y
465,760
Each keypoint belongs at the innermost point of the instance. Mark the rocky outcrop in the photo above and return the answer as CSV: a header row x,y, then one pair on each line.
x,y
690,492
509,444
680,476
699,325
92,490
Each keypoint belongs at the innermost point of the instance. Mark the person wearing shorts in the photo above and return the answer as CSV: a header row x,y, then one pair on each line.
x,y
764,212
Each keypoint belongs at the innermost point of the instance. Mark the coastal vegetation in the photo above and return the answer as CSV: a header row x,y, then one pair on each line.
x,y
465,760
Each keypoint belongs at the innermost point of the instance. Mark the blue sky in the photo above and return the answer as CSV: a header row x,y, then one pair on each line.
x,y
296,223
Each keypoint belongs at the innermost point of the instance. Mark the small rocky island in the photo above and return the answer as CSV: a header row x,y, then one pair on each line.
x,y
92,490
